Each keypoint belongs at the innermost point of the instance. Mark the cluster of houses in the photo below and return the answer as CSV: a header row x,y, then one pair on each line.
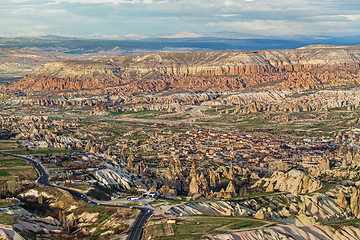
x,y
260,151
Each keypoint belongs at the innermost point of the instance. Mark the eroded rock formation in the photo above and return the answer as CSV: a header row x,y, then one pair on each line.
x,y
294,181
216,71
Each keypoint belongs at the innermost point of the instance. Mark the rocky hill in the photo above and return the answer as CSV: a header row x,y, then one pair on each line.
x,y
308,67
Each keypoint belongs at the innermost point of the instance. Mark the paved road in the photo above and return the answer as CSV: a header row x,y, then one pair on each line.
x,y
135,231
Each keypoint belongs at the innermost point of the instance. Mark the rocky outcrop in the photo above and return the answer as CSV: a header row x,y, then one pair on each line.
x,y
115,176
230,190
354,203
37,131
294,181
341,200
35,193
290,101
301,210
215,208
193,187
289,232
165,190
260,214
220,71
9,233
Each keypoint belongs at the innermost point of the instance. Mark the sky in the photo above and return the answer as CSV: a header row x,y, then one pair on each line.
x,y
178,18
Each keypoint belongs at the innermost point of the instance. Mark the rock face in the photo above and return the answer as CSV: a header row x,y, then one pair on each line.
x,y
221,71
294,181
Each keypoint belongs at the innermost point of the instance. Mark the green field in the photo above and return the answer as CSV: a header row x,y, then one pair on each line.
x,y
7,145
7,219
7,162
338,224
14,167
42,151
196,227
11,167
5,203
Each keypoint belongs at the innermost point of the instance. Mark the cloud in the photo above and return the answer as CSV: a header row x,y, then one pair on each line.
x,y
187,17
183,35
283,27
134,36
353,18
96,1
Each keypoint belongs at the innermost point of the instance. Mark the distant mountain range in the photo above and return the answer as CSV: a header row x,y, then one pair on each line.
x,y
205,42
